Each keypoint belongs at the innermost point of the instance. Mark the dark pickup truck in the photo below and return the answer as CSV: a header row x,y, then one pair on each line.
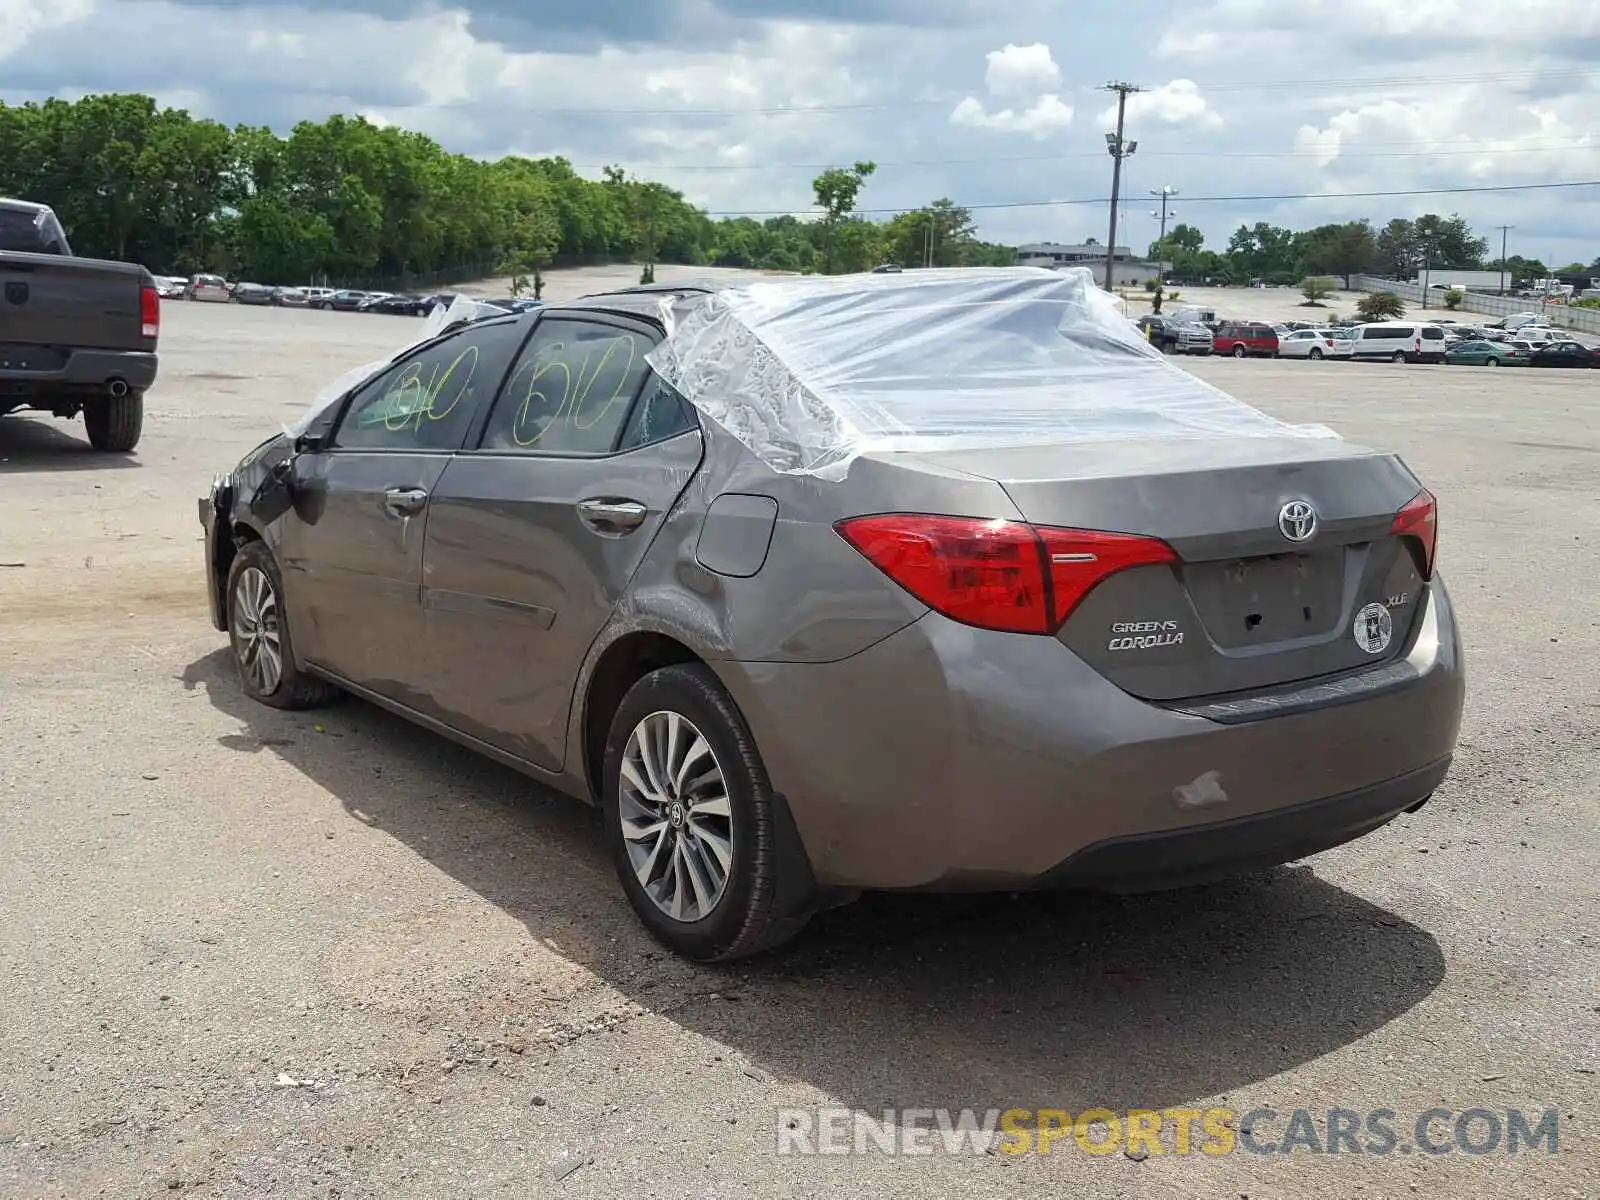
x,y
76,334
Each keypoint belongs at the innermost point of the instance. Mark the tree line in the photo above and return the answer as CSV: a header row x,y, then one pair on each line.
x,y
1401,249
352,202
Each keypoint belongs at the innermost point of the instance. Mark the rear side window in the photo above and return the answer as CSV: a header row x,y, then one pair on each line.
x,y
571,390
1433,335
661,413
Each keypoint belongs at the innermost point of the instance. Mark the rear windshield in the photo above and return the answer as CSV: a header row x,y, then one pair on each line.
x,y
809,371
31,231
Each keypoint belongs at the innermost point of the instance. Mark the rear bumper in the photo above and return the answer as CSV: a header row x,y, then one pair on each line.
x,y
1178,858
949,758
87,371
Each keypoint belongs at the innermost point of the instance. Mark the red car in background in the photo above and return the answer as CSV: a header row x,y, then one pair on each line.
x,y
1245,338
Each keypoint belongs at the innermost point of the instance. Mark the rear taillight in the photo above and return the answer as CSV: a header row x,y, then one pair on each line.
x,y
1420,520
150,312
994,574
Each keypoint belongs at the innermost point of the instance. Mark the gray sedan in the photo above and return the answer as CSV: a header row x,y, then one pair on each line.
x,y
942,580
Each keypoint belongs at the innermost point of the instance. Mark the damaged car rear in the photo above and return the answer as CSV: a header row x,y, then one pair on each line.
x,y
944,580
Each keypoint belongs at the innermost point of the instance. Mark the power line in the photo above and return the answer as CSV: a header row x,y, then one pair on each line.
x,y
1567,145
1239,86
1254,199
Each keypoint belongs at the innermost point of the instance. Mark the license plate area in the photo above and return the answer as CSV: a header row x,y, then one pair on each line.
x,y
1269,599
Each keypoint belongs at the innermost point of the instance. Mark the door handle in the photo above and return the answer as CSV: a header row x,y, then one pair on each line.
x,y
612,516
405,502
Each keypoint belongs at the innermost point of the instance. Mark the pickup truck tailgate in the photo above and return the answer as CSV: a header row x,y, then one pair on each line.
x,y
47,300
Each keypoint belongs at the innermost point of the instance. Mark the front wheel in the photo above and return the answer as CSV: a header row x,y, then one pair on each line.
x,y
114,423
689,812
258,631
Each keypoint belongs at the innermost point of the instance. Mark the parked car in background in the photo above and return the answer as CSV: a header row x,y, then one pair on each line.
x,y
1344,341
212,289
290,297
1484,353
371,298
1175,337
343,301
1244,339
1306,343
1538,335
1564,354
1399,341
170,287
314,295
253,293
400,306
940,669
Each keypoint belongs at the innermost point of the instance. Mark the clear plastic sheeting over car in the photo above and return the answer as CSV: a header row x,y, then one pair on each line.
x,y
461,310
811,372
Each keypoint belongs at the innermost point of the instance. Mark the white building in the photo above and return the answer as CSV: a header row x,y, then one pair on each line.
x,y
1126,270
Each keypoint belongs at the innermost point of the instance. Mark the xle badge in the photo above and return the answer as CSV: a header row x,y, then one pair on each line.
x,y
1373,628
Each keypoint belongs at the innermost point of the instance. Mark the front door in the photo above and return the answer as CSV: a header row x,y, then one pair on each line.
x,y
351,550
534,534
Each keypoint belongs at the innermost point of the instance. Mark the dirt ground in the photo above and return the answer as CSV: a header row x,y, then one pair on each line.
x,y
256,954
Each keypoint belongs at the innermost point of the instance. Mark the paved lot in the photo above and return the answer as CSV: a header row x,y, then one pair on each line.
x,y
253,954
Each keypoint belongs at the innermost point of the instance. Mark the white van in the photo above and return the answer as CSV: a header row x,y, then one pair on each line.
x,y
1399,341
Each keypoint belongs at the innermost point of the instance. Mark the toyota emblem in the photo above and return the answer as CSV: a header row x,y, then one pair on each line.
x,y
1297,521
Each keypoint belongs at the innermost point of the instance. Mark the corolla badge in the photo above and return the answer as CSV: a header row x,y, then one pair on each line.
x,y
1297,521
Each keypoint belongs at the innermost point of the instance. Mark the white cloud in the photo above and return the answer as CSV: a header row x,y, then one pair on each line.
x,y
20,20
1021,72
1175,103
1027,81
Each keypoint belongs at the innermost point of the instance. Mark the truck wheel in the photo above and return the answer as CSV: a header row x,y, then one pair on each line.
x,y
114,423
258,630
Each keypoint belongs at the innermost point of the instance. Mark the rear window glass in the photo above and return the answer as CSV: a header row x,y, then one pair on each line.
x,y
31,231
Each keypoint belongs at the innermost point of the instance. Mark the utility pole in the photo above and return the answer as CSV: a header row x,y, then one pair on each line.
x,y
1166,193
1504,230
1119,150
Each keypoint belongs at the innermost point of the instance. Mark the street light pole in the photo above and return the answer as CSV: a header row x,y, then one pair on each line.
x,y
1119,150
1166,192
1504,230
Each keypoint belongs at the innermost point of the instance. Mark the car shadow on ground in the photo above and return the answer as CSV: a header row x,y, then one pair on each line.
x,y
1056,1000
38,443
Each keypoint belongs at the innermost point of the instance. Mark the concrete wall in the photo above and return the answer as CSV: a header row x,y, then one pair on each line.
x,y
1557,316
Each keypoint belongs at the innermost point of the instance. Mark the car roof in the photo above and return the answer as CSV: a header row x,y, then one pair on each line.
x,y
643,301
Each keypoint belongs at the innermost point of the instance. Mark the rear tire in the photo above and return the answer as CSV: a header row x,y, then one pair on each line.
x,y
1238,351
714,800
258,632
1397,356
114,423
1491,362
1315,353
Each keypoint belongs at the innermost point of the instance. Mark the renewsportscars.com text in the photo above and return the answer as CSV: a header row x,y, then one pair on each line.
x,y
1180,1131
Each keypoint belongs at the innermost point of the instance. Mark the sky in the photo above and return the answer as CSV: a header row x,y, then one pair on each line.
x,y
739,103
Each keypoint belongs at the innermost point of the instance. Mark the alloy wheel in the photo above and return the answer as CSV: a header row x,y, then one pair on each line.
x,y
256,637
677,820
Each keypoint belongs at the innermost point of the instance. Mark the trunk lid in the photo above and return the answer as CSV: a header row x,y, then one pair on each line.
x,y
1245,608
50,301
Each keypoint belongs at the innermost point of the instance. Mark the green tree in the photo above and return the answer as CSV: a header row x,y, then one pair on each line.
x,y
836,191
1345,249
1380,306
1316,288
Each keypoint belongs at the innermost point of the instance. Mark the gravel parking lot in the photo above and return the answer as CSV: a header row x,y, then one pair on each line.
x,y
252,953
